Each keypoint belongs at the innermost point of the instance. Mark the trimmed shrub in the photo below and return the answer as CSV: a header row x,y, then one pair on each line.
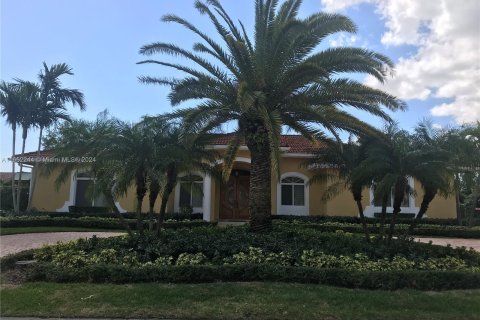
x,y
391,280
89,222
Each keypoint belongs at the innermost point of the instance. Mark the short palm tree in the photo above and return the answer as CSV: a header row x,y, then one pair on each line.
x,y
335,163
10,100
88,139
54,98
274,79
176,153
392,161
439,174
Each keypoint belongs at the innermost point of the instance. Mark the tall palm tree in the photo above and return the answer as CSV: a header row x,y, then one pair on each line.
x,y
30,104
275,79
10,101
54,98
343,158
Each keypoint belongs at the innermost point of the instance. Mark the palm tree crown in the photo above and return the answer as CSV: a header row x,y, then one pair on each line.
x,y
275,79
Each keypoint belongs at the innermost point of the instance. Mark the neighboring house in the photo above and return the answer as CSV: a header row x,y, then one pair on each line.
x,y
291,194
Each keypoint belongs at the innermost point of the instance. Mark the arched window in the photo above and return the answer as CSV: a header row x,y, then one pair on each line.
x,y
293,191
191,191
292,194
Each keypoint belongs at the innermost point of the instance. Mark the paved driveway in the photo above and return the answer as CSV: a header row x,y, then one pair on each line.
x,y
454,242
19,242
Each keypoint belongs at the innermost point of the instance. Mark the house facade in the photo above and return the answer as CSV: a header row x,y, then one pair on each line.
x,y
291,193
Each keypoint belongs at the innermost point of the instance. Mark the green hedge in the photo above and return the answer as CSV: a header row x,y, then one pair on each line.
x,y
100,273
108,215
421,230
87,222
8,262
349,219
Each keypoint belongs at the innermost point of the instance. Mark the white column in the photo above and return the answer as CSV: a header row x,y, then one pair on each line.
x,y
207,198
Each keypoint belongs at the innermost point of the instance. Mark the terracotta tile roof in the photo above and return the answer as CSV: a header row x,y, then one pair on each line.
x,y
292,143
29,157
289,144
5,176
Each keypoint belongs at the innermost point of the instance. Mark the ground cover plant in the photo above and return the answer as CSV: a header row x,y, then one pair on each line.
x,y
288,253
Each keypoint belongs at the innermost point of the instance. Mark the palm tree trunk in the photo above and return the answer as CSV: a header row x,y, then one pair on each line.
x,y
427,198
383,216
358,201
260,203
457,198
397,202
35,171
111,201
141,190
153,194
19,188
14,202
171,182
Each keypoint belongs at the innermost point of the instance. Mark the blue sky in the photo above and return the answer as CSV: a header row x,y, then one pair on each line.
x,y
100,40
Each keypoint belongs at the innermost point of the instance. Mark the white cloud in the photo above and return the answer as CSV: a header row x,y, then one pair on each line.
x,y
447,62
343,40
337,5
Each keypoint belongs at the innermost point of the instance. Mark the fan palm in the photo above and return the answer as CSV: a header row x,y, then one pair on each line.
x,y
54,98
274,79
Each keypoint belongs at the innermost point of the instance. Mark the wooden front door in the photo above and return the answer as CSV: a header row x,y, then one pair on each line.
x,y
234,196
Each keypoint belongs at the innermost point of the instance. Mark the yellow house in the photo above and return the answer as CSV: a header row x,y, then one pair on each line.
x,y
291,193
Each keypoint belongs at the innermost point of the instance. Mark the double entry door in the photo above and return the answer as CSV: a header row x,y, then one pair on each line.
x,y
234,196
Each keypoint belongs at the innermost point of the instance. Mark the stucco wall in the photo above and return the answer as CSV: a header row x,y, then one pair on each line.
x,y
47,198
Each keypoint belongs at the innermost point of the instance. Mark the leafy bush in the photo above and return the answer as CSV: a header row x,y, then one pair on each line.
x,y
190,259
79,209
258,256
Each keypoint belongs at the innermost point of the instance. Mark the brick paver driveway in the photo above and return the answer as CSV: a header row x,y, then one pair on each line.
x,y
454,242
19,242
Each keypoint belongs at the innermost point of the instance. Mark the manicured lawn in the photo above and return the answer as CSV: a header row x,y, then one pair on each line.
x,y
7,231
233,301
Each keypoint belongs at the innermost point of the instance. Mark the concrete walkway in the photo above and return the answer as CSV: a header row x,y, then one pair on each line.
x,y
20,242
454,242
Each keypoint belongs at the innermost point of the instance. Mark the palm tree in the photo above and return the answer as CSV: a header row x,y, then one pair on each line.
x,y
392,161
11,109
30,104
438,175
81,138
53,106
176,153
275,79
344,159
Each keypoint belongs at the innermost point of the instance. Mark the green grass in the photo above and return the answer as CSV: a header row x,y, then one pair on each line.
x,y
19,230
233,301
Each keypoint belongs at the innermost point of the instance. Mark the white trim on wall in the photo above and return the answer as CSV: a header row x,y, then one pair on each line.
x,y
71,196
206,195
293,210
371,209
